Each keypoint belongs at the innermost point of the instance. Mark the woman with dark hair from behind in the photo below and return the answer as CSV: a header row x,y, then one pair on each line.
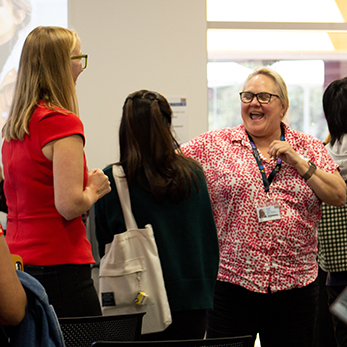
x,y
168,191
332,230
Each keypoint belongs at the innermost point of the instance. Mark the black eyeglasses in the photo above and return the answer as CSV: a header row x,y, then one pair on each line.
x,y
263,98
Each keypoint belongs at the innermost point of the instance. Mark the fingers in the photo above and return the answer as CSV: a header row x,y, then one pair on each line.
x,y
94,171
276,149
282,150
97,178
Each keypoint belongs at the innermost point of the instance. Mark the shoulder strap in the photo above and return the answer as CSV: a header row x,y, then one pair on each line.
x,y
124,196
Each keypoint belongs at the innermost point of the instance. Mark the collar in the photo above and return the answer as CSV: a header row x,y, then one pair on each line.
x,y
239,134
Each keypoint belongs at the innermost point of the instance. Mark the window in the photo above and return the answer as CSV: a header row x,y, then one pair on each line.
x,y
308,48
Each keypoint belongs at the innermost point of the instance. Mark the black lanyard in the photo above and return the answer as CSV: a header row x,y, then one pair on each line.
x,y
266,180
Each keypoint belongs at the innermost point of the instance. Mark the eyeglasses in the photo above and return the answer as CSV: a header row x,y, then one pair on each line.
x,y
263,98
84,59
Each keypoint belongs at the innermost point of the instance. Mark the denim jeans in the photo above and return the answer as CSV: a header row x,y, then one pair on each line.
x,y
70,289
285,318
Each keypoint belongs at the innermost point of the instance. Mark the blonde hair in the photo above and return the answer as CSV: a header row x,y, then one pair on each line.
x,y
281,86
44,74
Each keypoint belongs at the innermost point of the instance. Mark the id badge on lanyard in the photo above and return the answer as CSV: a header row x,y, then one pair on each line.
x,y
269,209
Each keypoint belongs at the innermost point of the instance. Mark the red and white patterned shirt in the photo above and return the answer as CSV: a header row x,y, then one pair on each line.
x,y
276,255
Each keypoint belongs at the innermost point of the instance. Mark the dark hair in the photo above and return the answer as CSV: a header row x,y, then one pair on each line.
x,y
335,108
149,152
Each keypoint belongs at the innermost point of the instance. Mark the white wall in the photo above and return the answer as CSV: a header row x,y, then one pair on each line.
x,y
138,44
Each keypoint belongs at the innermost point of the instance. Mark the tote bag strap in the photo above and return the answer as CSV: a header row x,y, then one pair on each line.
x,y
124,196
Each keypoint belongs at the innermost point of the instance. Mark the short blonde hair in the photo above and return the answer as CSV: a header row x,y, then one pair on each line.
x,y
281,86
44,74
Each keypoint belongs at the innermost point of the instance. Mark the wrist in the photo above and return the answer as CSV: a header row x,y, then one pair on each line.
x,y
91,195
310,171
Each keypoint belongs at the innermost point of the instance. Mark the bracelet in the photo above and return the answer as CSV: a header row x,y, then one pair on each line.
x,y
310,171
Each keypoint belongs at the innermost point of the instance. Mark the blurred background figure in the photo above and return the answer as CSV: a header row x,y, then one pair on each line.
x,y
332,231
14,16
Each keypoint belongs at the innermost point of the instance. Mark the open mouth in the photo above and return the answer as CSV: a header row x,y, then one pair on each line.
x,y
256,115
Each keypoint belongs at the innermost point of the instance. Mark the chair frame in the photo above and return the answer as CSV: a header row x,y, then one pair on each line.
x,y
84,327
238,341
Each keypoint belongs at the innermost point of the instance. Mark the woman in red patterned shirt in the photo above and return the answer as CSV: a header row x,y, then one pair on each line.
x,y
266,183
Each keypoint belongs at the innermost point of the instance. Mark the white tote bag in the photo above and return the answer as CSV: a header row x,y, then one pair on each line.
x,y
130,276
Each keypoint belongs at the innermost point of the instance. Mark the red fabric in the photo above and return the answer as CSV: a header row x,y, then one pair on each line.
x,y
279,254
35,229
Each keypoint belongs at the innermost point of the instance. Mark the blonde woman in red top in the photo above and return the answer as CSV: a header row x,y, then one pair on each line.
x,y
47,186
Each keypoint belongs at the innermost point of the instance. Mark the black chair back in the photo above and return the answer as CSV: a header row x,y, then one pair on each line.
x,y
240,341
83,331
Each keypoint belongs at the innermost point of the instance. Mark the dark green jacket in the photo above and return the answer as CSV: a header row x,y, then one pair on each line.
x,y
185,234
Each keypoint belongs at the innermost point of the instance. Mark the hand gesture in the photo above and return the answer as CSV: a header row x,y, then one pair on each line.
x,y
98,182
282,150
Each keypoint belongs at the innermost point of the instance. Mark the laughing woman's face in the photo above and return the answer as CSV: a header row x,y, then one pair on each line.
x,y
262,120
